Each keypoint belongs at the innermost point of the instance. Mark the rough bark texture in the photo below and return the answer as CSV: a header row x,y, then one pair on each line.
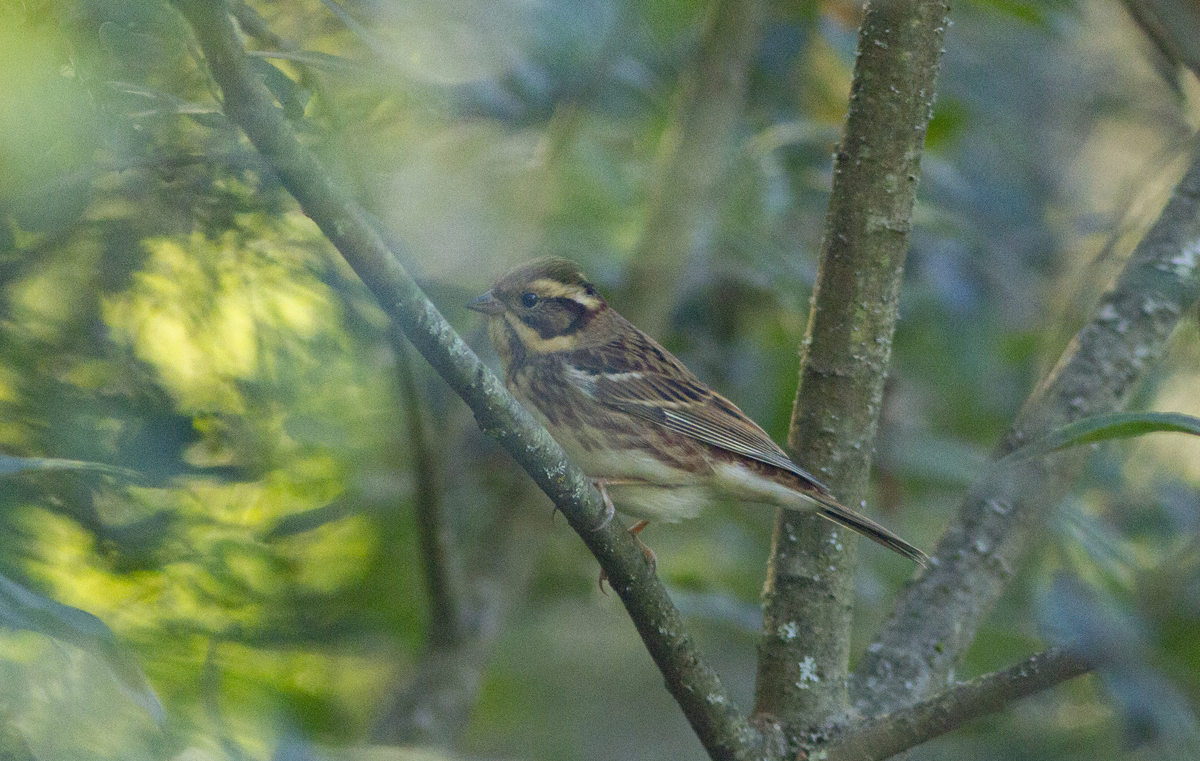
x,y
724,732
804,653
936,616
909,727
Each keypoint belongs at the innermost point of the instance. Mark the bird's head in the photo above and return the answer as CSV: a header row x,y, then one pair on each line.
x,y
545,306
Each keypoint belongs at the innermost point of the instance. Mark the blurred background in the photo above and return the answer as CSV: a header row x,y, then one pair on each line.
x,y
222,477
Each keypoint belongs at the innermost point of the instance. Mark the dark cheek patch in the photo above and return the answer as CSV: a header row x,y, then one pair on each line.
x,y
557,317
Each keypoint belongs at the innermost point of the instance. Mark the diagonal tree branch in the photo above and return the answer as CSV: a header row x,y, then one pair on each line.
x,y
950,709
936,617
805,649
724,732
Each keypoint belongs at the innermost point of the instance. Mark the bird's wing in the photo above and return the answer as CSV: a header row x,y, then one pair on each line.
x,y
648,382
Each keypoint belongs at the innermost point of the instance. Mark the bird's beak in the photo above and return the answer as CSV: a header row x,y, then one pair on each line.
x,y
487,303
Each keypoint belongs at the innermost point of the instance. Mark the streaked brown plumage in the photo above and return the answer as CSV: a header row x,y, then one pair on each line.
x,y
632,416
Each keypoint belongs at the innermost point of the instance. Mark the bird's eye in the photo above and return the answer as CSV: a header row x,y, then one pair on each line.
x,y
529,300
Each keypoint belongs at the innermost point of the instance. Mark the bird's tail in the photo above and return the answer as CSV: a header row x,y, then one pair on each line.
x,y
844,516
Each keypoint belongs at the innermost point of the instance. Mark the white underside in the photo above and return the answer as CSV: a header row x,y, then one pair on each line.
x,y
660,505
660,493
670,504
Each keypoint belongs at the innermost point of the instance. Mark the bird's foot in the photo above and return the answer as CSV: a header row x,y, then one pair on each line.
x,y
651,558
609,511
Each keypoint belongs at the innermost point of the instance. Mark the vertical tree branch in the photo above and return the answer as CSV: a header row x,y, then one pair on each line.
x,y
445,623
935,618
804,652
694,157
719,725
434,703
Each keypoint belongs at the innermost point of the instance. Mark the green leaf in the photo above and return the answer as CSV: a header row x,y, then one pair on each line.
x,y
21,608
10,465
1119,425
315,59
374,43
290,95
146,101
140,52
309,520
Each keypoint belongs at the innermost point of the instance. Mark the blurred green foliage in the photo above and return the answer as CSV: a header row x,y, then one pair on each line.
x,y
238,542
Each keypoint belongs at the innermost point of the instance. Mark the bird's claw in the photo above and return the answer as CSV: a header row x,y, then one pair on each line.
x,y
651,558
609,510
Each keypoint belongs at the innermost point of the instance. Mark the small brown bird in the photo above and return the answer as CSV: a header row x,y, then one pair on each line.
x,y
638,422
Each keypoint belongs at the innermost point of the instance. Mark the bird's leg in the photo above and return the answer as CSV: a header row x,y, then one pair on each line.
x,y
651,558
609,511
602,485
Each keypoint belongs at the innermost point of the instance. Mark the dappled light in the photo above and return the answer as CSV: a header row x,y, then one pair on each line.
x,y
241,518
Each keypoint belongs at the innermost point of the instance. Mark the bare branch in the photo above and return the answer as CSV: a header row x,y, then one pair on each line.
x,y
948,710
935,618
695,156
724,732
445,624
805,650
434,703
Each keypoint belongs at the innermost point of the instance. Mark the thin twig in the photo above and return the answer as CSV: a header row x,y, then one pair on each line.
x,y
950,709
697,151
445,624
721,728
434,703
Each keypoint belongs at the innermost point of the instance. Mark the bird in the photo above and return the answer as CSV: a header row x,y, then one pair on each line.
x,y
645,430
